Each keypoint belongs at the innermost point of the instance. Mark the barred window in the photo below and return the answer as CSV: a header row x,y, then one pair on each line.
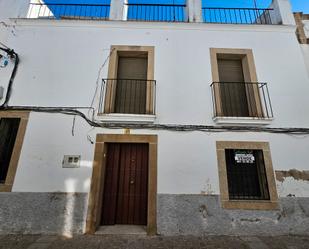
x,y
246,175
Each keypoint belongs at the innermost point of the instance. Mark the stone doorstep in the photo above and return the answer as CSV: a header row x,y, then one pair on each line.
x,y
121,230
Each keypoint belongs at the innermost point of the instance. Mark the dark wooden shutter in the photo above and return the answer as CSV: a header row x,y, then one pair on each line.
x,y
131,85
8,133
232,88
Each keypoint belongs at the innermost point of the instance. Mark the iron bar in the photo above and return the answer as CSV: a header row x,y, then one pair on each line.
x,y
69,11
241,99
237,15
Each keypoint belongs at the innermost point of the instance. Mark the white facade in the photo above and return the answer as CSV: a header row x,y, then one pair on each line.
x,y
61,61
52,77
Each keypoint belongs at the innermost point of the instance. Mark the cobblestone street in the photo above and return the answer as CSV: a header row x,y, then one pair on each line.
x,y
143,242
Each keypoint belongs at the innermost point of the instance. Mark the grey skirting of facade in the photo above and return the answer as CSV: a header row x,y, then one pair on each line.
x,y
43,213
61,213
203,215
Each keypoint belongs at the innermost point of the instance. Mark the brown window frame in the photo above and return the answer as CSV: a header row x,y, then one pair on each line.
x,y
129,51
250,75
226,202
24,116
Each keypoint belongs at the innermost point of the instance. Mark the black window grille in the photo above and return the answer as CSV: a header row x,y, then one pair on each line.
x,y
246,175
8,133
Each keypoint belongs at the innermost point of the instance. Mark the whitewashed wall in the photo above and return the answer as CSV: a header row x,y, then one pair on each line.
x,y
59,66
60,61
187,162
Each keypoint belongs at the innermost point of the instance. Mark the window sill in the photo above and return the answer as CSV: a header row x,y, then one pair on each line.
x,y
243,120
126,118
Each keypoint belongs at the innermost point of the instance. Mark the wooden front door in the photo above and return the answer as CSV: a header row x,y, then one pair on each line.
x,y
125,192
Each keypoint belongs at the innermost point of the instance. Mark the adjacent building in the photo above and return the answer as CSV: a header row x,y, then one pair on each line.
x,y
175,118
302,21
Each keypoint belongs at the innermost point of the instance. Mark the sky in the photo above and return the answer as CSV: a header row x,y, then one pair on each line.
x,y
298,5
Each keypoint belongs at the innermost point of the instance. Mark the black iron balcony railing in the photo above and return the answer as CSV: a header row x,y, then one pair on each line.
x,y
241,99
156,12
237,15
128,96
69,11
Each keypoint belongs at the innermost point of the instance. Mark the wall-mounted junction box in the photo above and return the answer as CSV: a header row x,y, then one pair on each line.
x,y
71,161
1,92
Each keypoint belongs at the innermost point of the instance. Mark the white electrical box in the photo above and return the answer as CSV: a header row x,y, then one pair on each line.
x,y
71,161
1,92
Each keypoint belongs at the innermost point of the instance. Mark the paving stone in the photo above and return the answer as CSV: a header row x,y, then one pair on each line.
x,y
17,241
254,242
156,242
39,246
46,239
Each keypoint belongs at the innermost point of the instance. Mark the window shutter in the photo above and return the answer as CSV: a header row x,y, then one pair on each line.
x,y
230,70
131,85
232,88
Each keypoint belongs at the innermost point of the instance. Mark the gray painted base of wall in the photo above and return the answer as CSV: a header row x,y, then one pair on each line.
x,y
43,213
203,215
65,214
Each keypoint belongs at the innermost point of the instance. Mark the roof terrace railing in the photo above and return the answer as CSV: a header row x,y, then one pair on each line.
x,y
152,12
237,15
156,12
69,11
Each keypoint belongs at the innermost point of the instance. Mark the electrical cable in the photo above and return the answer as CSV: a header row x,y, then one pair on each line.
x,y
14,55
98,77
169,127
73,126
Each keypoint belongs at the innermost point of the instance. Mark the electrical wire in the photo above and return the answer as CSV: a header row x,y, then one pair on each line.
x,y
2,44
14,55
73,126
98,77
169,127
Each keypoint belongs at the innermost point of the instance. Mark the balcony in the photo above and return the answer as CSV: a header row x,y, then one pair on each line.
x,y
193,11
127,100
241,102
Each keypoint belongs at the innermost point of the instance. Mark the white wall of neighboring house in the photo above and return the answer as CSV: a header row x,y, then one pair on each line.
x,y
60,61
305,51
306,28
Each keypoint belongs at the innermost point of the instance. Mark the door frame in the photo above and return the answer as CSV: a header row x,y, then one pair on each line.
x,y
98,175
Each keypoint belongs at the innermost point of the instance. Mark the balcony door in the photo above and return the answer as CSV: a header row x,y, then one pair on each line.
x,y
131,89
233,88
